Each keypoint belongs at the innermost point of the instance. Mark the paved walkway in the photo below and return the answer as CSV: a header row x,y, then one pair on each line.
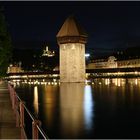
x,y
8,129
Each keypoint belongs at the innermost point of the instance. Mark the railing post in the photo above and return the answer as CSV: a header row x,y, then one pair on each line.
x,y
35,129
17,119
21,114
17,113
15,102
13,99
9,88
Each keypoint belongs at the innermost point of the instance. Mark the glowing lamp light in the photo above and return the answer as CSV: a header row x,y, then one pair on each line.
x,y
87,55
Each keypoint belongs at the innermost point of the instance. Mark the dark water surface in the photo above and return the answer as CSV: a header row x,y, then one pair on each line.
x,y
105,108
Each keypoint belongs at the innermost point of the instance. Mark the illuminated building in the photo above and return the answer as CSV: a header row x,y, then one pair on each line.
x,y
71,39
112,62
103,63
14,68
48,53
128,63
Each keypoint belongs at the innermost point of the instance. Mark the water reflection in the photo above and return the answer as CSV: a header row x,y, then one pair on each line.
x,y
102,109
71,105
50,97
35,103
136,81
88,107
76,108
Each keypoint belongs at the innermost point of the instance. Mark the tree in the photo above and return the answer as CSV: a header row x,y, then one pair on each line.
x,y
5,45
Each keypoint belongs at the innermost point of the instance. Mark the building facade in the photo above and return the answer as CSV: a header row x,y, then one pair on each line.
x,y
112,62
72,39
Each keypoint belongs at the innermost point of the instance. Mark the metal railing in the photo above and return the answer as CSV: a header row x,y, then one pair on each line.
x,y
20,109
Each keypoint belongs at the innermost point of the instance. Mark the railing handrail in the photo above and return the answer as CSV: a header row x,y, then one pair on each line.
x,y
18,97
33,119
42,132
29,113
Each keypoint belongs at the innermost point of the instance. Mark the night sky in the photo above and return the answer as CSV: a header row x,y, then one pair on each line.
x,y
110,25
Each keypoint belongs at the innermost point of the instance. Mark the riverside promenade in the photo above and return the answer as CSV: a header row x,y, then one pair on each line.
x,y
8,129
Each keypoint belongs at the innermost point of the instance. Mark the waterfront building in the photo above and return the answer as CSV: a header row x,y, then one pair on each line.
x,y
112,62
71,39
15,68
130,63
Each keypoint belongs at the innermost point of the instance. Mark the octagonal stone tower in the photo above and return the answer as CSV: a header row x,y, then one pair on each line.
x,y
71,39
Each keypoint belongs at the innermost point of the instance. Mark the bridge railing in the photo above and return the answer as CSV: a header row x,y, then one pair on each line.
x,y
21,111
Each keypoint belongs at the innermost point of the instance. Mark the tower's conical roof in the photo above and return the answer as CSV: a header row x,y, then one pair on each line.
x,y
71,31
71,28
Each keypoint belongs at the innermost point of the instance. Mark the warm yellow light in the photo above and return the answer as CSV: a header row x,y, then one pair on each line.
x,y
100,83
136,81
119,82
36,99
136,72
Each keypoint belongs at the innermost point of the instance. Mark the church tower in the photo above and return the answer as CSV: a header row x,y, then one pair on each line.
x,y
72,39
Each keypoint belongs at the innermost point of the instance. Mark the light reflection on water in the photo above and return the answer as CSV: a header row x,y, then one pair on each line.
x,y
75,108
71,100
36,100
88,107
103,109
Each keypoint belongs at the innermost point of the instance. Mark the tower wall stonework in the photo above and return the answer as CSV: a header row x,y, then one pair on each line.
x,y
72,62
72,39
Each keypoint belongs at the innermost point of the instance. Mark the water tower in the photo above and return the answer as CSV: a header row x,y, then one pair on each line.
x,y
72,39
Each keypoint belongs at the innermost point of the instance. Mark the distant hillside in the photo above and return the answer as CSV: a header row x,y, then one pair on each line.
x,y
32,59
129,53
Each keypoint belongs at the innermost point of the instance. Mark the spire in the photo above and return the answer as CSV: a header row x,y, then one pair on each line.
x,y
71,32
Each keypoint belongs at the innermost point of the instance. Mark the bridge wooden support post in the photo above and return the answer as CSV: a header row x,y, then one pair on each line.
x,y
17,119
22,119
21,114
13,99
17,112
35,129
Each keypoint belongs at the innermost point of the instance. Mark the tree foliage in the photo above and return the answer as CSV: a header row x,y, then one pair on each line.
x,y
5,45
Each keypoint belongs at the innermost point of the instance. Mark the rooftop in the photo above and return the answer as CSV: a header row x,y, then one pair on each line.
x,y
71,31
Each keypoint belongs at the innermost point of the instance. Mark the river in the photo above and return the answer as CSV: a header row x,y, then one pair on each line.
x,y
101,108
